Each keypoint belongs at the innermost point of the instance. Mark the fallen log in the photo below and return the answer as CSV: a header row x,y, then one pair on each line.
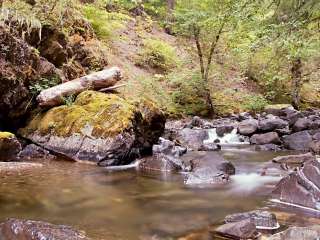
x,y
55,96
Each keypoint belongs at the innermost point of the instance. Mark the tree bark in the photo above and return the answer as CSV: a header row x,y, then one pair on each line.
x,y
296,78
170,5
95,81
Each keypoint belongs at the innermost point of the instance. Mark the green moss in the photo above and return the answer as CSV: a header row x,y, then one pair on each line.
x,y
6,135
105,114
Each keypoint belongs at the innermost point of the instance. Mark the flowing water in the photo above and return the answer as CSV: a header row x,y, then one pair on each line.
x,y
129,205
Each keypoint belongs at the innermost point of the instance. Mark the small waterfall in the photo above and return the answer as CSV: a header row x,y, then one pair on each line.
x,y
229,138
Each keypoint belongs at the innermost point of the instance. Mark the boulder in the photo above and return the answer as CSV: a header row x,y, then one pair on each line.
x,y
266,138
98,127
244,229
302,124
10,147
278,109
35,230
207,168
209,147
222,130
298,233
248,127
192,138
295,159
315,146
271,124
262,219
197,122
301,188
298,141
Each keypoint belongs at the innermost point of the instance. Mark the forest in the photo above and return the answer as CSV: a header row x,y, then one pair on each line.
x,y
159,119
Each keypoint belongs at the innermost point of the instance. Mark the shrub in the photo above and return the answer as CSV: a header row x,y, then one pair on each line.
x,y
157,54
255,103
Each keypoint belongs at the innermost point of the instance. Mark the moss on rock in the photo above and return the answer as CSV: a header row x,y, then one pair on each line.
x,y
7,135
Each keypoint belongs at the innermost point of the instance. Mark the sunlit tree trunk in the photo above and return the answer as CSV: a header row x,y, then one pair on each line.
x,y
296,78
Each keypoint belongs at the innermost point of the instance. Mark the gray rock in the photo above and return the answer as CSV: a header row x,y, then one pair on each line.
x,y
298,233
192,138
262,219
35,230
244,229
32,151
209,147
248,127
298,141
222,130
315,146
266,138
268,147
272,124
10,147
302,124
197,122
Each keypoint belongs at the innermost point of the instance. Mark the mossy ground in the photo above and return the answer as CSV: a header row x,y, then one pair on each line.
x,y
105,114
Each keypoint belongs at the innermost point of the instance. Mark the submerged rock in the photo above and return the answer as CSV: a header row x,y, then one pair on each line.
x,y
32,151
35,230
98,127
301,188
298,233
295,159
244,229
9,147
262,219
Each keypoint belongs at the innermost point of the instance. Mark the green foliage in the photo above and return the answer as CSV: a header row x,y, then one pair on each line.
x,y
44,83
157,54
103,22
255,103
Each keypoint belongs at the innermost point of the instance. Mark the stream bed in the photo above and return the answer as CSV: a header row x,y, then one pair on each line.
x,y
130,205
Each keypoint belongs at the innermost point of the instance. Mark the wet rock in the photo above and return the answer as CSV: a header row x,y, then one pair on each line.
x,y
316,136
244,229
207,168
301,188
32,151
98,127
35,230
298,141
315,146
222,130
248,127
192,138
165,158
209,147
197,122
283,131
9,147
272,124
266,138
262,219
298,233
302,124
268,147
295,159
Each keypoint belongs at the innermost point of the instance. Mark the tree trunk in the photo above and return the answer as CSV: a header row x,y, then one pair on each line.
x,y
296,78
170,5
95,81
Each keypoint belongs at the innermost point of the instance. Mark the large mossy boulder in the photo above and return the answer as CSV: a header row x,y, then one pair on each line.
x,y
98,127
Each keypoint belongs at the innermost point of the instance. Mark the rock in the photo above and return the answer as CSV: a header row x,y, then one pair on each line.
x,y
268,147
315,146
295,159
244,229
316,136
262,219
298,141
197,122
9,147
301,188
283,131
266,138
272,124
192,138
278,109
248,127
222,130
207,168
32,151
302,124
165,157
209,147
298,233
35,230
98,127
